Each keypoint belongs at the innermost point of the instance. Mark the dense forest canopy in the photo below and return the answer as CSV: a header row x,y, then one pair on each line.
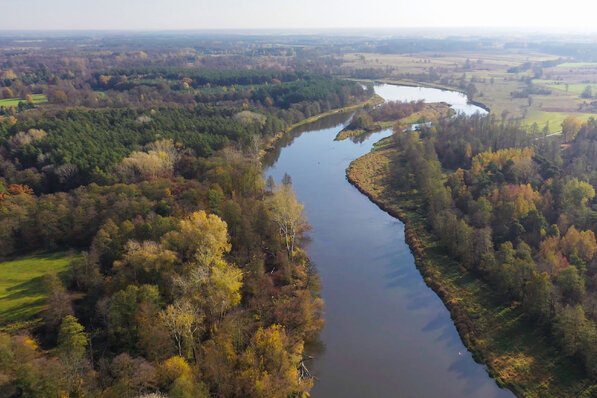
x,y
519,210
180,270
77,146
158,262
197,77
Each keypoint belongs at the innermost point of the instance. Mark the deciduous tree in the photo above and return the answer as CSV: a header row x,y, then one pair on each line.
x,y
287,213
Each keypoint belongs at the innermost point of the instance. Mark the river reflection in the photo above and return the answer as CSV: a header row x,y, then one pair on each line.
x,y
387,334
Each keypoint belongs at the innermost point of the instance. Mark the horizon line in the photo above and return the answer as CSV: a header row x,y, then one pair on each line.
x,y
481,30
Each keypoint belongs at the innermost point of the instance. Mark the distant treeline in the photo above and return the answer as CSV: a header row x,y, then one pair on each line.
x,y
73,147
585,51
121,78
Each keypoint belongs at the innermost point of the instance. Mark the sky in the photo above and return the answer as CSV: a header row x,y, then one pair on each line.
x,y
293,14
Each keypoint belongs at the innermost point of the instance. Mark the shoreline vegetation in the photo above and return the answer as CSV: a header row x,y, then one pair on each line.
x,y
430,113
518,355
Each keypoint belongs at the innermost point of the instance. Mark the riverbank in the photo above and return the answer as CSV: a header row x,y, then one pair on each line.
x,y
430,113
518,355
347,133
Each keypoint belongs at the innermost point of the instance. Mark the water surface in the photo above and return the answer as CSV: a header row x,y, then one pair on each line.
x,y
458,101
387,334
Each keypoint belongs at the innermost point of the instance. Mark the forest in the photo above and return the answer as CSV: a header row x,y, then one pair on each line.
x,y
518,211
72,147
144,254
179,270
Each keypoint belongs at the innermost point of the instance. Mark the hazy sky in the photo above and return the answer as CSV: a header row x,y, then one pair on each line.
x,y
264,14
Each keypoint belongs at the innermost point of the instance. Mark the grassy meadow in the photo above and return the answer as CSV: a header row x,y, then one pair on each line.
x,y
21,292
555,119
37,99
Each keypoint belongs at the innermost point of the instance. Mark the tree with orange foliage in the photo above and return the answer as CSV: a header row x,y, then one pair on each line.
x,y
18,189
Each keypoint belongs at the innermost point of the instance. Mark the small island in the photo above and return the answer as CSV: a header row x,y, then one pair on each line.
x,y
405,115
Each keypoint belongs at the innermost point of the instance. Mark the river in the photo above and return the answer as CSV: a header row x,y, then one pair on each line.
x,y
386,334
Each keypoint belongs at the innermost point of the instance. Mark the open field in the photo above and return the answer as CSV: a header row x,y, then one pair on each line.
x,y
499,80
570,88
555,119
37,99
576,64
21,293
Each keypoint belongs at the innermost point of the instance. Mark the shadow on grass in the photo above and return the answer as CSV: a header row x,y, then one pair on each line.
x,y
18,292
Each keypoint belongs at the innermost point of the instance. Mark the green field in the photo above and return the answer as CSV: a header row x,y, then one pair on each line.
x,y
559,85
37,99
21,291
555,119
576,64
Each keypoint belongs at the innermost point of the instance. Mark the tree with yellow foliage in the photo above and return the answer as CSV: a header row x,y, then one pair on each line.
x,y
287,213
579,244
182,321
145,262
570,127
500,158
207,279
6,93
270,365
